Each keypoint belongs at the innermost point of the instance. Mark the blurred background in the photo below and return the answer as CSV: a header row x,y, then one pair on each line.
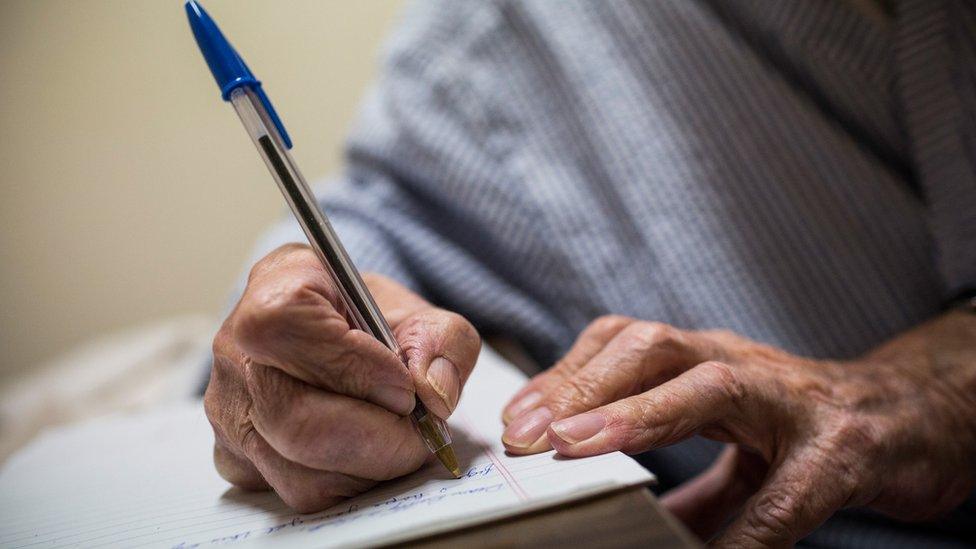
x,y
130,196
130,193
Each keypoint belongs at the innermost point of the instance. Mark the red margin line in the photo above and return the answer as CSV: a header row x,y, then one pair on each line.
x,y
509,478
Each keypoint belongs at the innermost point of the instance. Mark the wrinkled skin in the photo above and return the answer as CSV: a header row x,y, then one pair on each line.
x,y
894,431
304,405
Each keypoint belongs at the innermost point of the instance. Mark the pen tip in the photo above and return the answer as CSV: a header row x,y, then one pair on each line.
x,y
449,459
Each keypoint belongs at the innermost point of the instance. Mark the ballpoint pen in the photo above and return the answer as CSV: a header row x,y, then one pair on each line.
x,y
239,86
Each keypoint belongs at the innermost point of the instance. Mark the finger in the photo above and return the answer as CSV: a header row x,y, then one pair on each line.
x,y
328,431
288,318
226,400
641,355
590,342
708,394
303,489
798,496
441,350
236,469
441,347
395,300
707,501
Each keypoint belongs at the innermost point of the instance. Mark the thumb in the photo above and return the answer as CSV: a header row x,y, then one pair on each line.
x,y
796,497
440,347
706,502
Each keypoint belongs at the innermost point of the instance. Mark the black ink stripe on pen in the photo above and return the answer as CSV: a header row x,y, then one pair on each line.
x,y
311,222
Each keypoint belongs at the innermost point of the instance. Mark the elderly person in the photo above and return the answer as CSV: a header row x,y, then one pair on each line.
x,y
743,233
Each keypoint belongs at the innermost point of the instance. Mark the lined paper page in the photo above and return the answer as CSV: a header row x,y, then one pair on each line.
x,y
148,480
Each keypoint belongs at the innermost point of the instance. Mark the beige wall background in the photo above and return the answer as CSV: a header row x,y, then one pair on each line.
x,y
128,191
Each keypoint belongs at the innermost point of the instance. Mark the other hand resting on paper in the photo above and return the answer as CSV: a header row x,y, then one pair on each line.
x,y
894,431
303,404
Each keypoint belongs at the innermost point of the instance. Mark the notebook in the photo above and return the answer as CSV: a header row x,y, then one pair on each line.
x,y
148,480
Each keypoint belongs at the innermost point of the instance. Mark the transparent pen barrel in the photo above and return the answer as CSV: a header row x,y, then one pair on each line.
x,y
317,228
360,308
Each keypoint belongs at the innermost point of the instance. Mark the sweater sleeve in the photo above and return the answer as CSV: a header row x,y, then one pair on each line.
x,y
416,136
426,195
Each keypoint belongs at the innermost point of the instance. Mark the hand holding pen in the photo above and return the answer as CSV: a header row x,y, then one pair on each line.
x,y
314,392
303,404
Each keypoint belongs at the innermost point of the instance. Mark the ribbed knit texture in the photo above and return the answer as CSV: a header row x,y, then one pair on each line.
x,y
792,171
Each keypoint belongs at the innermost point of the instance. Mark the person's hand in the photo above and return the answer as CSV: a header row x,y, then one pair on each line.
x,y
894,431
301,403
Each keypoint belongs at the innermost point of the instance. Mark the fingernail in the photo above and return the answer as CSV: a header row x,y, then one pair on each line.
x,y
515,409
443,377
527,428
396,399
579,428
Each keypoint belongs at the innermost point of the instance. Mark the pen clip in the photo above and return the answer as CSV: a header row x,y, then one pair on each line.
x,y
227,66
258,90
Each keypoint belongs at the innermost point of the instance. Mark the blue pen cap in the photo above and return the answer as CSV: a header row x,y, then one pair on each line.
x,y
228,68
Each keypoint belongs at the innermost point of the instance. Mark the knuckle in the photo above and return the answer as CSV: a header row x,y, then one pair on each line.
x,y
636,427
447,320
212,404
430,328
286,419
236,425
271,391
850,449
212,407
246,436
628,421
223,401
252,325
774,512
266,308
855,435
465,331
609,323
855,431
629,412
646,336
724,379
214,392
284,293
574,393
223,341
277,257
